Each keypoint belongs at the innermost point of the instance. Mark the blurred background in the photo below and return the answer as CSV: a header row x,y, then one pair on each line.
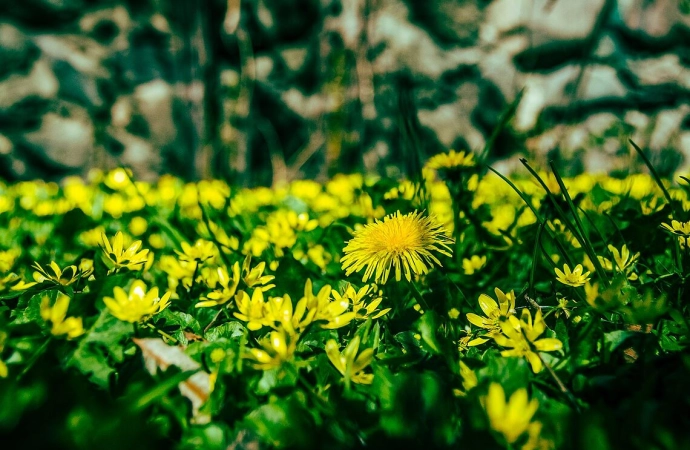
x,y
265,91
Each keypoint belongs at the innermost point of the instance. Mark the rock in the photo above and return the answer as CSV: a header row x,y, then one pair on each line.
x,y
294,57
667,127
153,101
17,52
665,69
6,145
39,83
652,19
66,140
554,20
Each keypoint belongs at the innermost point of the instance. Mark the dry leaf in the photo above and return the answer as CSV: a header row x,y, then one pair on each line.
x,y
197,388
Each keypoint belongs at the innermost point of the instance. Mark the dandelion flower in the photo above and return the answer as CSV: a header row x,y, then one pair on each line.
x,y
451,160
402,241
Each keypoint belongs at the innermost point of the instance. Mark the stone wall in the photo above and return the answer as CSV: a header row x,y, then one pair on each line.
x,y
266,90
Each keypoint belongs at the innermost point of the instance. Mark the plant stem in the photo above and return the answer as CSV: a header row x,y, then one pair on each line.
x,y
161,332
418,296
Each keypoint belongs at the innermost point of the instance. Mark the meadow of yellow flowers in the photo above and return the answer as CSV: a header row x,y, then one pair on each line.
x,y
460,308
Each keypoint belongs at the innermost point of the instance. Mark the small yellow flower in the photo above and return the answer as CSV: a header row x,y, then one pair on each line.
x,y
521,337
138,304
228,288
469,378
473,264
332,313
71,326
404,242
277,348
512,418
7,259
624,261
351,362
360,307
118,179
3,367
138,226
253,311
254,278
454,313
575,278
678,228
495,313
293,320
54,274
116,256
199,252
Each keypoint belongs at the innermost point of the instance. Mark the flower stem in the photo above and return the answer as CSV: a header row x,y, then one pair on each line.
x,y
418,296
161,332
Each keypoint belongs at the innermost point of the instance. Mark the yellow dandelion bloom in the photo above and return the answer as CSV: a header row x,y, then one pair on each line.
x,y
509,418
451,160
572,278
138,304
402,241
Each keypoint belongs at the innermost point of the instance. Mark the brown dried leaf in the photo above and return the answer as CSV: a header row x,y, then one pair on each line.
x,y
197,388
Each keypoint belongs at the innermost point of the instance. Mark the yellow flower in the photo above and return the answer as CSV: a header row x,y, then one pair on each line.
x,y
624,261
360,307
118,179
521,337
7,259
331,312
53,274
405,242
469,378
512,418
280,310
199,252
3,367
116,256
138,304
473,264
451,160
228,288
495,313
678,228
254,278
138,226
351,362
575,278
71,326
276,348
253,311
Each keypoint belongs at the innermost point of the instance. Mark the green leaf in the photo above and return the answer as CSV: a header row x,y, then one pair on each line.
x,y
427,326
230,330
101,348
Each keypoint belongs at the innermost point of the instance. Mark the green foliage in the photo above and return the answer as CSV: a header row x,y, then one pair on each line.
x,y
224,317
